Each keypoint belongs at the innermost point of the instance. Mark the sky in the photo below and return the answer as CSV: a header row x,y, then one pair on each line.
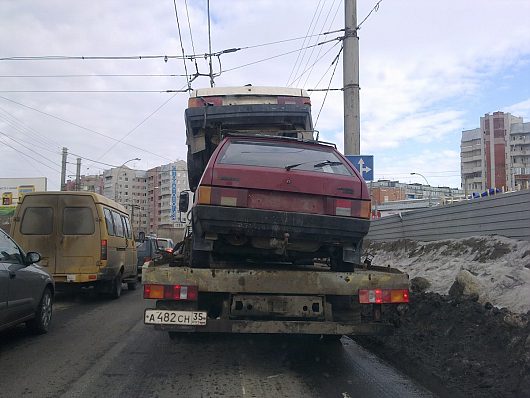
x,y
428,70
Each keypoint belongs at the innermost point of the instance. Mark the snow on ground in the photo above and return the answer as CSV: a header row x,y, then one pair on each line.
x,y
501,266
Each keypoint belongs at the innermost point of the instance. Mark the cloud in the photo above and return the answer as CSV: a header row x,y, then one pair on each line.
x,y
422,66
520,109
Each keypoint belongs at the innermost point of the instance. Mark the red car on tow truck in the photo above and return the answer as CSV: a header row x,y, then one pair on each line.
x,y
283,199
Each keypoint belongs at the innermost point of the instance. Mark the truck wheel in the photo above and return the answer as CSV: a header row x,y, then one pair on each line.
x,y
116,287
43,316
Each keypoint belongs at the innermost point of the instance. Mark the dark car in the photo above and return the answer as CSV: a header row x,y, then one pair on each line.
x,y
26,289
280,199
147,250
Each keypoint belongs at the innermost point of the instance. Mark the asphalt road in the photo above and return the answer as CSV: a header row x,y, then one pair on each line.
x,y
101,348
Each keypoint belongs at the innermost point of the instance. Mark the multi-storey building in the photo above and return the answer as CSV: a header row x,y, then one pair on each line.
x,y
151,196
496,155
164,184
383,191
89,183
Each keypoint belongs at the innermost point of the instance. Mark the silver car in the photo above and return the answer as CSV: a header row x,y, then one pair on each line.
x,y
26,289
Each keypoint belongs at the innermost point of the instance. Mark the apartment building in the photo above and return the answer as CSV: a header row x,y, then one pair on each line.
x,y
496,154
164,184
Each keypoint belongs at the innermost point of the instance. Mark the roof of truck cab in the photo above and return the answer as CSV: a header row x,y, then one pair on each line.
x,y
97,198
249,90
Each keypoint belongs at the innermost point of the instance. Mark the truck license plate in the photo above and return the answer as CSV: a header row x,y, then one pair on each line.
x,y
168,317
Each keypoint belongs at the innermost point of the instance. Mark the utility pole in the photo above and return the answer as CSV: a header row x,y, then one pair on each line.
x,y
63,169
352,123
78,175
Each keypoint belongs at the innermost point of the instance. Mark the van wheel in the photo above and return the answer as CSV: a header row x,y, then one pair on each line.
x,y
116,287
41,323
132,285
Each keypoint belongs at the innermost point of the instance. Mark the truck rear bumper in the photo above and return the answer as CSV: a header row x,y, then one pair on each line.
x,y
284,327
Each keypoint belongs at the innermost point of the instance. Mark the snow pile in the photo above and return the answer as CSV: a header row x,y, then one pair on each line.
x,y
498,268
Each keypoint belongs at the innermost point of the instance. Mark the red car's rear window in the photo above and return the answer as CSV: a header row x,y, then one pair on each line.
x,y
283,155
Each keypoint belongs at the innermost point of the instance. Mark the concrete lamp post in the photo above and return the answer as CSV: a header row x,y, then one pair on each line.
x,y
421,175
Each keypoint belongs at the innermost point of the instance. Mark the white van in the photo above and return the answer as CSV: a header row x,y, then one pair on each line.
x,y
85,239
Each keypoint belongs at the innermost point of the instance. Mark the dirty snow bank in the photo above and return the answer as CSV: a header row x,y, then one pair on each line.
x,y
499,267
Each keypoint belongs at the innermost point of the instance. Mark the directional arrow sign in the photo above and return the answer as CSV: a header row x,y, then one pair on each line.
x,y
364,164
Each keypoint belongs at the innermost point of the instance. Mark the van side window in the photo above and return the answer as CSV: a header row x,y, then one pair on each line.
x,y
127,226
37,221
108,221
118,225
78,221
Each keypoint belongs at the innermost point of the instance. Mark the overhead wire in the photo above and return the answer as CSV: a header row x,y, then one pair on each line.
x,y
18,125
93,91
313,48
138,125
316,61
375,8
181,44
210,43
320,48
90,75
25,154
191,36
295,65
82,127
278,56
330,80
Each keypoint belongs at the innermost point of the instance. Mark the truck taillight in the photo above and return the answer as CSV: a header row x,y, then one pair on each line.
x,y
171,292
383,296
103,249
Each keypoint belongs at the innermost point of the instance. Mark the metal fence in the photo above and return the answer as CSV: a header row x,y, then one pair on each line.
x,y
505,214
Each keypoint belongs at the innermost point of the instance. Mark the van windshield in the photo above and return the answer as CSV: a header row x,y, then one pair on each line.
x,y
283,155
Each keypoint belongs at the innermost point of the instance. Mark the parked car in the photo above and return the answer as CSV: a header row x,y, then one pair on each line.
x,y
280,199
165,244
147,251
26,289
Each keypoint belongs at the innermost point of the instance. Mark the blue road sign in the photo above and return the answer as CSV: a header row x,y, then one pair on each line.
x,y
364,164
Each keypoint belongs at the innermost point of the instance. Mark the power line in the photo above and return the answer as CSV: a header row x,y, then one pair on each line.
x,y
314,63
374,9
31,157
191,36
84,128
181,45
91,75
320,48
330,80
279,55
313,48
138,125
303,44
94,91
